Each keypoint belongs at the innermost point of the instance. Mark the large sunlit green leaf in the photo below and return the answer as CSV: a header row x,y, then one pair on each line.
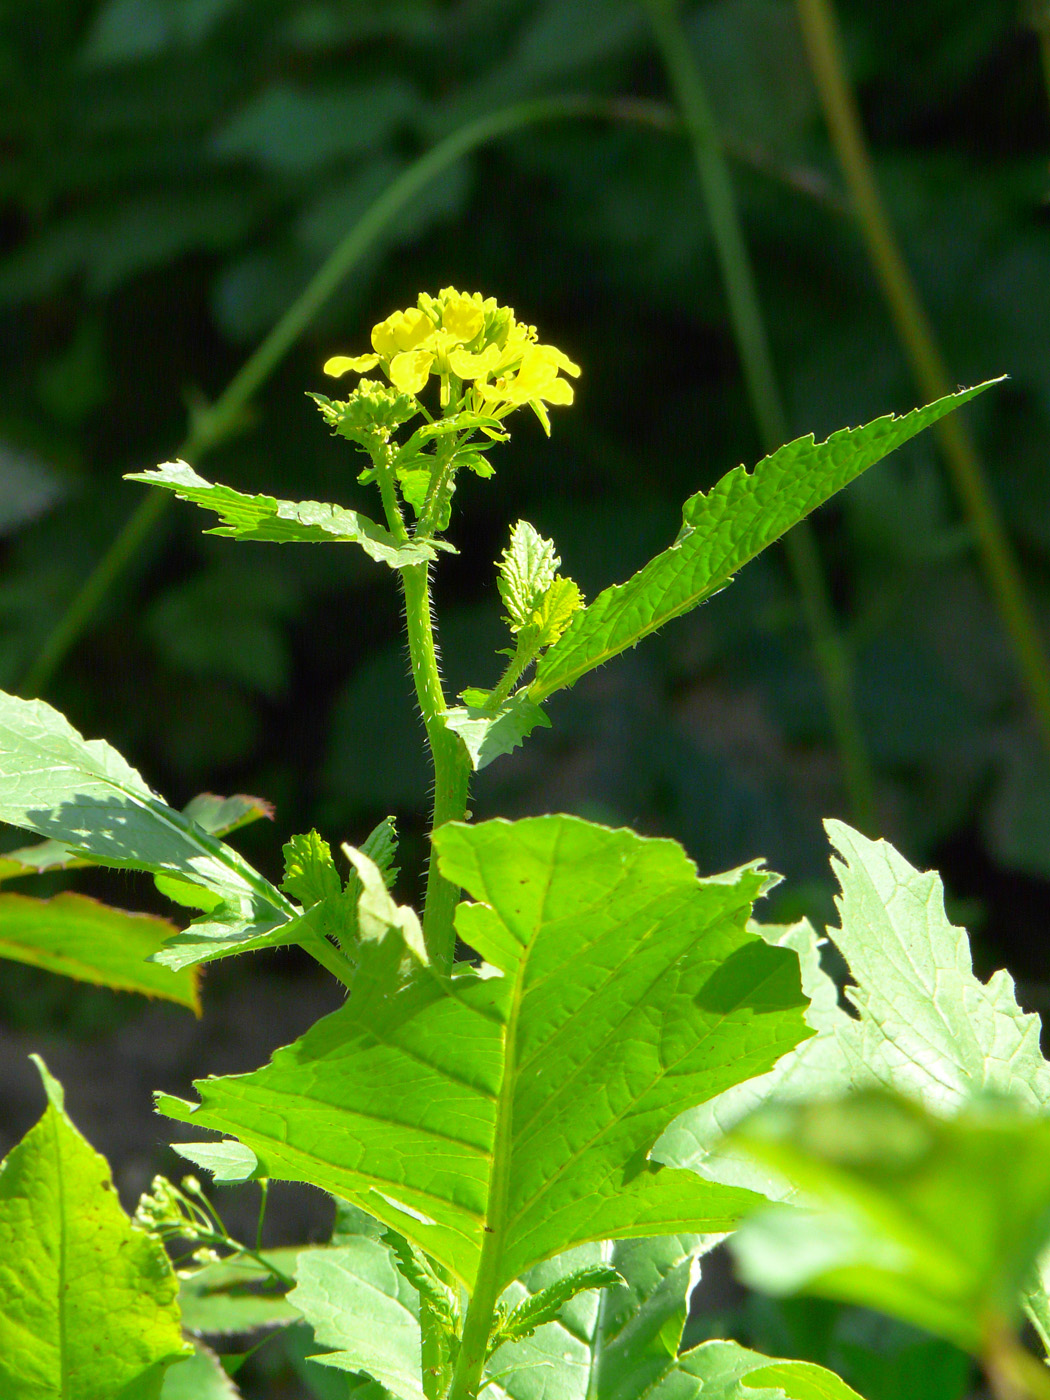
x,y
618,990
721,531
924,1024
88,1306
83,794
281,522
79,937
936,1221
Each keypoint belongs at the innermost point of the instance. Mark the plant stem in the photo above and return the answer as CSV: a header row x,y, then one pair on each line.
x,y
752,342
213,425
1014,1373
477,1325
451,762
918,340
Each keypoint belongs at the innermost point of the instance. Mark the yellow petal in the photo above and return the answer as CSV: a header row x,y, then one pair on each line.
x,y
410,370
462,318
469,366
558,391
561,360
401,331
340,364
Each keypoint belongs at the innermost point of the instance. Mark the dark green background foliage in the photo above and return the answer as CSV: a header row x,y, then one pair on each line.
x,y
171,173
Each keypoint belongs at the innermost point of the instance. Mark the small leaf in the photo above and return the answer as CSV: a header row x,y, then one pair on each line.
x,y
356,1300
937,1222
199,1377
551,615
266,518
721,531
487,734
544,1306
86,1299
726,1371
526,571
227,1161
79,937
380,846
377,912
310,875
220,815
237,1295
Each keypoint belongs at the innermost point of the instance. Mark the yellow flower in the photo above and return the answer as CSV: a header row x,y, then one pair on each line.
x,y
462,318
535,383
465,337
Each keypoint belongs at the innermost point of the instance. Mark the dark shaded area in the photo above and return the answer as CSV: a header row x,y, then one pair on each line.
x,y
172,173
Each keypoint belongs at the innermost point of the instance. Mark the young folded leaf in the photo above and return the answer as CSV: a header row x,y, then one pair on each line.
x,y
512,1108
721,531
283,522
87,1302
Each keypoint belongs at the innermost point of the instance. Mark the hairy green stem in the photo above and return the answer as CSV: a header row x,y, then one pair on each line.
x,y
451,762
919,342
752,341
214,424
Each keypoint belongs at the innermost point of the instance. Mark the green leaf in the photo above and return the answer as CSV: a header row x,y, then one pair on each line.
x,y
613,1345
544,1306
237,1295
227,1161
310,875
88,1305
551,615
355,1299
726,1371
934,1032
79,937
721,531
221,815
380,846
199,1377
626,990
937,1222
282,522
84,794
488,734
527,569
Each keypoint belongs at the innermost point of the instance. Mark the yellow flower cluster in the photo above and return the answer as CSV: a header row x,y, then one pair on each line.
x,y
466,340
